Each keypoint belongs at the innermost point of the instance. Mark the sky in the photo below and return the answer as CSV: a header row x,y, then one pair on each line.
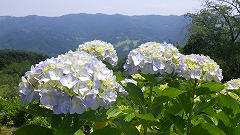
x,y
126,7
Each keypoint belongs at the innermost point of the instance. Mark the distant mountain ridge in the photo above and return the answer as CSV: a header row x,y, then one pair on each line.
x,y
57,35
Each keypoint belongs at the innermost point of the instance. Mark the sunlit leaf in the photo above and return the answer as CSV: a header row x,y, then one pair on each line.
x,y
148,117
228,104
79,132
171,92
113,112
206,129
222,116
118,76
208,88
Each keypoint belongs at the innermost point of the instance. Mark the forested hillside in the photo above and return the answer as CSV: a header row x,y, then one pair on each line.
x,y
56,35
13,65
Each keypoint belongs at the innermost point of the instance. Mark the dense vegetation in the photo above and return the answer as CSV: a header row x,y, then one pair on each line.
x,y
215,31
13,64
56,35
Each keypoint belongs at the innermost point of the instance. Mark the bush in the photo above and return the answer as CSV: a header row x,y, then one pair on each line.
x,y
9,110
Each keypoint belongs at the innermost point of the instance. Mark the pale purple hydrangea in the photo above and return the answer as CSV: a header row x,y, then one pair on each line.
x,y
199,67
233,84
102,50
153,58
70,83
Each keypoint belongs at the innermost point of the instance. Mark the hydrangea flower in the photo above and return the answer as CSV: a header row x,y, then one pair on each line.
x,y
70,83
199,67
102,50
233,84
153,58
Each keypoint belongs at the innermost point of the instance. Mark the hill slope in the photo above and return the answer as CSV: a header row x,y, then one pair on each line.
x,y
56,35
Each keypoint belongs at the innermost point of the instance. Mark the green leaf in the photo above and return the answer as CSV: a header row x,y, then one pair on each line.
x,y
94,115
64,124
237,130
156,109
118,76
222,116
199,130
149,77
203,105
208,118
129,117
209,88
126,128
79,132
171,92
228,104
175,108
148,117
113,112
177,121
107,131
186,100
206,129
174,84
135,92
212,129
36,110
33,130
165,126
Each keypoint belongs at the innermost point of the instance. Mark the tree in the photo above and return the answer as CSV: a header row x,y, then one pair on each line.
x,y
215,31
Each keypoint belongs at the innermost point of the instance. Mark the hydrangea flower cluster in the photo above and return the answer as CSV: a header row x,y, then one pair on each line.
x,y
102,50
153,58
199,67
233,84
70,83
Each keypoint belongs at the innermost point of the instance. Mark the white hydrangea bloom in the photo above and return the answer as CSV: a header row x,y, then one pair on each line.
x,y
233,84
153,58
102,50
199,67
70,83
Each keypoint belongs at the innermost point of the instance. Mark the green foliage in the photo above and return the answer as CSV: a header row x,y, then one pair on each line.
x,y
12,57
214,31
13,64
9,109
38,120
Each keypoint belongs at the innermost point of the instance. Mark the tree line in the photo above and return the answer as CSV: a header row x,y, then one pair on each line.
x,y
215,31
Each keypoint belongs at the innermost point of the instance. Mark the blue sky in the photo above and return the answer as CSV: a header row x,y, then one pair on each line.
x,y
125,7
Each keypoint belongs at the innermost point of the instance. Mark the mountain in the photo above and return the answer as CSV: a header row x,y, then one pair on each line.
x,y
56,35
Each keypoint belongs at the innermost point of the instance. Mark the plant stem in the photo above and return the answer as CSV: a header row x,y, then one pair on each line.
x,y
149,104
150,98
189,117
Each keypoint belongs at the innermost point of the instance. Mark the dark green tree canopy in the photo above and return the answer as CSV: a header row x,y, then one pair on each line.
x,y
215,31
